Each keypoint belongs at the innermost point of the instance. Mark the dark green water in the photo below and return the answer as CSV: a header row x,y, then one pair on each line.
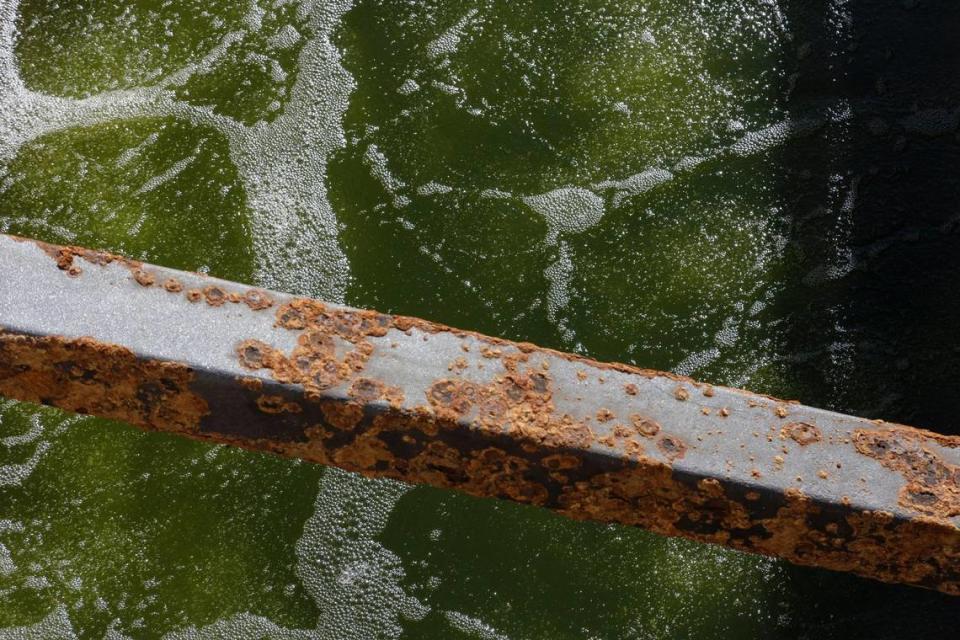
x,y
755,193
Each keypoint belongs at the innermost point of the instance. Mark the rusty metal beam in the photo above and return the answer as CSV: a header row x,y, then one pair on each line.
x,y
408,399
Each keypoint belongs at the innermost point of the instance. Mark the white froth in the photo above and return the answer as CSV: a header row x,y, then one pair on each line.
x,y
56,626
559,274
567,209
448,41
282,163
433,188
409,86
473,627
355,581
635,184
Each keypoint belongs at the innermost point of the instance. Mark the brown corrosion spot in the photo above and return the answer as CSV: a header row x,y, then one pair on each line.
x,y
631,389
780,411
621,431
708,391
64,256
645,426
250,383
194,295
672,447
86,376
215,295
458,364
342,416
803,433
680,393
561,462
367,390
144,278
724,412
257,299
254,354
605,415
932,484
275,404
173,285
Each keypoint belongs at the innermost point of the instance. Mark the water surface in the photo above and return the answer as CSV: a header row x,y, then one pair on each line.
x,y
755,193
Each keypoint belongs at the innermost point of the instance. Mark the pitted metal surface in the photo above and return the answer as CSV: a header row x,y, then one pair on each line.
x,y
404,398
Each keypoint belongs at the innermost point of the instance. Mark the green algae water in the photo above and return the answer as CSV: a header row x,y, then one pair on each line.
x,y
753,192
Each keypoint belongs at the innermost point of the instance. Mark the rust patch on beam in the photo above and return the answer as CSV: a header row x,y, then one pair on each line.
x,y
394,396
932,485
90,377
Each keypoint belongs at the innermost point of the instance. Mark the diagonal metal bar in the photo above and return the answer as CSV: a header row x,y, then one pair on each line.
x,y
408,399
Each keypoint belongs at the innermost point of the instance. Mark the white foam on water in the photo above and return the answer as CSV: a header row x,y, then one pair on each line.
x,y
175,169
131,153
355,581
473,627
35,431
559,274
409,86
13,475
448,41
433,188
496,194
282,163
567,210
55,626
380,169
634,185
243,625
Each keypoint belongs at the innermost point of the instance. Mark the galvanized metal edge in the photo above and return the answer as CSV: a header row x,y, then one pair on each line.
x,y
400,397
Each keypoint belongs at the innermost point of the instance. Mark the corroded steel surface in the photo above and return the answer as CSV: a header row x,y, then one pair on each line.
x,y
404,398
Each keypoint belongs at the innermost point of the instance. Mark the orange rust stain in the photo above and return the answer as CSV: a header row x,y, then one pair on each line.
x,y
932,485
803,433
561,462
631,389
250,383
342,416
214,295
644,425
64,255
275,404
367,390
86,376
257,299
780,411
681,394
173,285
621,431
194,295
458,365
143,277
672,447
605,415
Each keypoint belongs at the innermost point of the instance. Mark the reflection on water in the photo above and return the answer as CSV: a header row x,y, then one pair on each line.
x,y
729,190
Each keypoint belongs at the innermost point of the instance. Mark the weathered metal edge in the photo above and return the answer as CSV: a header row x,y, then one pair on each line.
x,y
404,398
